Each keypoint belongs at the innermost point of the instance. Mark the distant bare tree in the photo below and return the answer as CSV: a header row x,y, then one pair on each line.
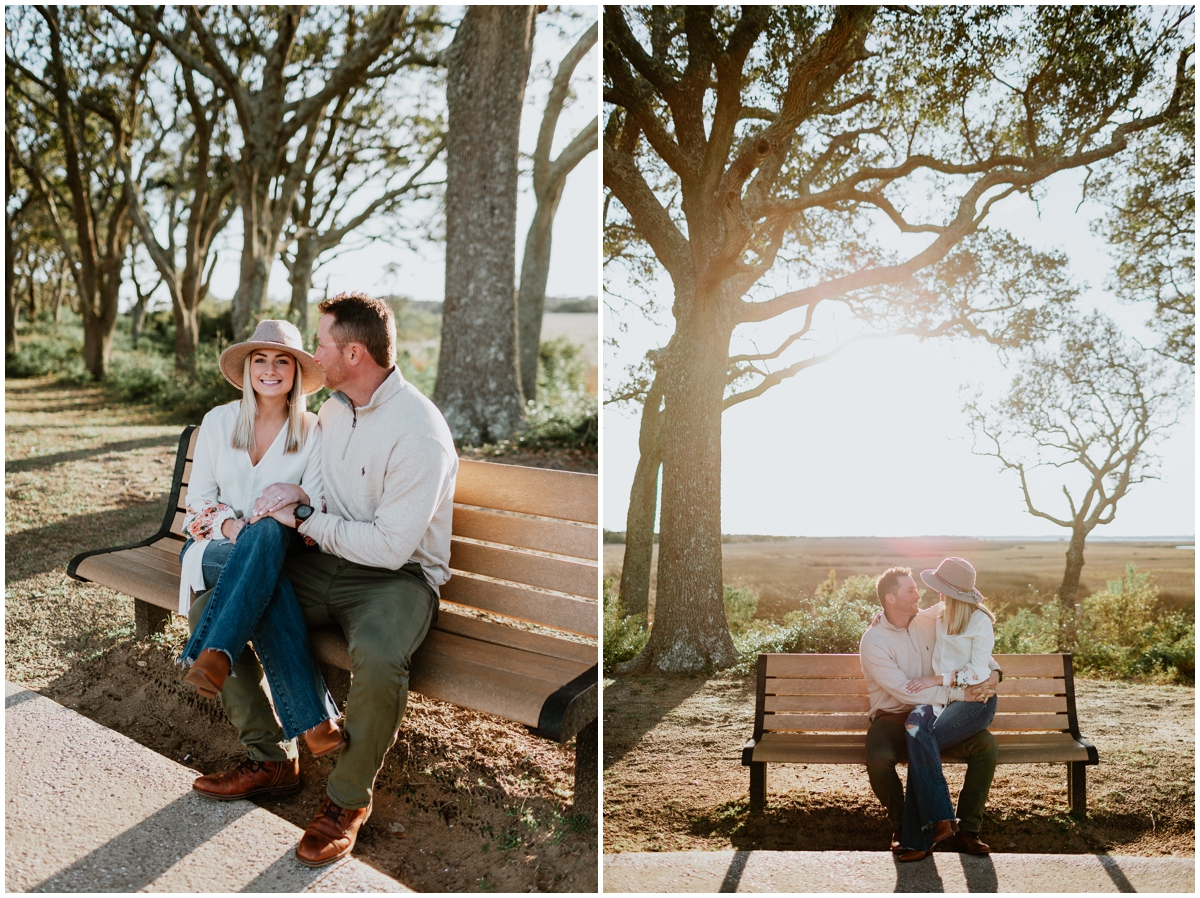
x,y
1095,410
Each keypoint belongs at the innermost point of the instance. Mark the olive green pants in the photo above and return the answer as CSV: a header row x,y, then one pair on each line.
x,y
886,747
385,616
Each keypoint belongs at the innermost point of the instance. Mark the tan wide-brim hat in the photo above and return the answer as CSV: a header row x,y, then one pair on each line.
x,y
954,577
277,335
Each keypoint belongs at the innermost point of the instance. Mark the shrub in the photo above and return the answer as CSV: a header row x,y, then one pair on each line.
x,y
48,350
833,623
1028,631
624,635
740,605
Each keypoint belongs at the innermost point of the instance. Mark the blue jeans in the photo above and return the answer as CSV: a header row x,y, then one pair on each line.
x,y
927,797
249,599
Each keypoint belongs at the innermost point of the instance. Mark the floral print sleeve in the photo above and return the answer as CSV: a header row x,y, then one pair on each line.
x,y
204,521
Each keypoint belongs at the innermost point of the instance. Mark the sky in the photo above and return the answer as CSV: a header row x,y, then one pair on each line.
x,y
420,272
874,443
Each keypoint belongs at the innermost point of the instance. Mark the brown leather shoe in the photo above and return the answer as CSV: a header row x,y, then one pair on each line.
x,y
331,835
896,846
969,843
945,829
208,672
324,738
912,854
251,778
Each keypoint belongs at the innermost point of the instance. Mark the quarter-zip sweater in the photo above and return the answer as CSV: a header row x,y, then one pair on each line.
x,y
891,656
388,469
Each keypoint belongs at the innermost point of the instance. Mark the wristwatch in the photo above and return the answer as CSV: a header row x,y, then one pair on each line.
x,y
303,513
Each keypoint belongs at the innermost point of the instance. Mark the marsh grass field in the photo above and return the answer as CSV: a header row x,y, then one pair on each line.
x,y
783,571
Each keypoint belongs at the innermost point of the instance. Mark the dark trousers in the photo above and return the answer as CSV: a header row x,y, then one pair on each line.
x,y
887,747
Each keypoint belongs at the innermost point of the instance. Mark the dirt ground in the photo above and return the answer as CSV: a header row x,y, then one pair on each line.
x,y
465,801
673,778
785,570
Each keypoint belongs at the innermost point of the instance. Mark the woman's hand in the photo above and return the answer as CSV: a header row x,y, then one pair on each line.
x,y
286,516
913,686
276,497
231,527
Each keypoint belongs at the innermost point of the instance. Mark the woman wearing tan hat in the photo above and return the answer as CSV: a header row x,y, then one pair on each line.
x,y
266,437
961,655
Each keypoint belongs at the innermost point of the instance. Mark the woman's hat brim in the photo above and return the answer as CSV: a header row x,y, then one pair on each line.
x,y
233,363
936,583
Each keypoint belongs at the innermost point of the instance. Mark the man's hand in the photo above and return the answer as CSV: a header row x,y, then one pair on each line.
x,y
275,497
286,516
981,692
921,683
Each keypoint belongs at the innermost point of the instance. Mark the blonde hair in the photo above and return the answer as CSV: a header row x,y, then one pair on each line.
x,y
297,425
958,614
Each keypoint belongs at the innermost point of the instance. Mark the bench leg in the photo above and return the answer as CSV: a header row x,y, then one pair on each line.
x,y
1077,788
587,795
148,619
758,787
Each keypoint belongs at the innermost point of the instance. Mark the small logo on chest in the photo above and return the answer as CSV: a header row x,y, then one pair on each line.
x,y
364,471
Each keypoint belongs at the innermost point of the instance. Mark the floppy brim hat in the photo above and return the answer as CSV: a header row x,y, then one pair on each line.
x,y
277,335
954,577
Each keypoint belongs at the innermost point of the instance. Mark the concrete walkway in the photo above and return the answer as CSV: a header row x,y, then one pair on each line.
x,y
89,810
876,871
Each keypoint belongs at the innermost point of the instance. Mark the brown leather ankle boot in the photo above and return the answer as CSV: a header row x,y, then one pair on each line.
x,y
208,672
324,738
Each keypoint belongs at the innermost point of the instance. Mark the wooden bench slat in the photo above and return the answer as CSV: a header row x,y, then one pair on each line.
x,y
512,661
157,559
795,686
558,612
853,722
539,534
828,748
782,703
1036,686
814,666
573,577
1030,665
1011,704
1029,722
551,494
124,572
502,634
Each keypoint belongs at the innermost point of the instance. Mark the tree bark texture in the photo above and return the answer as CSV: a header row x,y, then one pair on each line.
x,y
1069,589
300,277
691,633
478,387
643,508
10,291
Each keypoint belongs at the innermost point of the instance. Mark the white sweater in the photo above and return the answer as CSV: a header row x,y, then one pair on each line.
x,y
224,484
389,469
968,653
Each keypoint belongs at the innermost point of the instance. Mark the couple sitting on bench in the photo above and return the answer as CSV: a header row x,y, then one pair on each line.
x,y
297,520
918,717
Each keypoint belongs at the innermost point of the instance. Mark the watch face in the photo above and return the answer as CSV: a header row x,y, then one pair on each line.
x,y
303,512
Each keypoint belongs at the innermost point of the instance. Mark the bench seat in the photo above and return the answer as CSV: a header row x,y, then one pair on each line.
x,y
516,633
812,709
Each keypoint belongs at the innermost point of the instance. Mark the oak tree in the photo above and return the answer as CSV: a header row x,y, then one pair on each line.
x,y
863,148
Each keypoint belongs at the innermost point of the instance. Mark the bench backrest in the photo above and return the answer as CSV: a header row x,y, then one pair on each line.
x,y
828,693
524,547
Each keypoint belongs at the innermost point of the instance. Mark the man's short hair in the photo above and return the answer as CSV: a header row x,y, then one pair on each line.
x,y
359,318
889,580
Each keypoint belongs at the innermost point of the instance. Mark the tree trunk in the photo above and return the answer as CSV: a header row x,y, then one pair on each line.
x,y
258,255
531,296
137,316
60,287
300,277
690,632
643,507
478,386
10,290
1069,589
32,299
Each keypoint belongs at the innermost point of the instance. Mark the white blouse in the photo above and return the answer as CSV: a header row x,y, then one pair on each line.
x,y
967,653
224,484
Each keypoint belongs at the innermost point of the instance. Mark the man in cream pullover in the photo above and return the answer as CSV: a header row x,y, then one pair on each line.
x,y
383,526
897,648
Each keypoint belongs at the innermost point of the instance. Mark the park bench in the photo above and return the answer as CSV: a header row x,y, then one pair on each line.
x,y
509,639
812,709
